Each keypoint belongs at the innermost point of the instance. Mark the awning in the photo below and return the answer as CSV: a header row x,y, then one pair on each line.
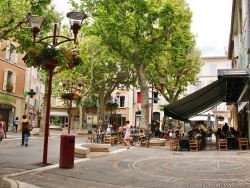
x,y
58,114
228,88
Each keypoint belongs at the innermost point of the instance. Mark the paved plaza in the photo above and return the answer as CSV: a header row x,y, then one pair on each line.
x,y
135,167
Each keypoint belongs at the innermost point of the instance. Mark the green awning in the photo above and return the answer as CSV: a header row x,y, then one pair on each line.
x,y
225,89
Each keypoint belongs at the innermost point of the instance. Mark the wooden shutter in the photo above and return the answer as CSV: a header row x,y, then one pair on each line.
x,y
14,82
7,52
5,79
126,101
16,57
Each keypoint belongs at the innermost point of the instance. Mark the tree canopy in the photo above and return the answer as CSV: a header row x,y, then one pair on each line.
x,y
14,23
139,32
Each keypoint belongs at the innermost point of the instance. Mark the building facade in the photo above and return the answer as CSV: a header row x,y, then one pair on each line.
x,y
208,75
16,82
12,81
238,53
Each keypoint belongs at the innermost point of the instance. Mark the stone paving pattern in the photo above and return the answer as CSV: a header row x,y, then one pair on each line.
x,y
135,167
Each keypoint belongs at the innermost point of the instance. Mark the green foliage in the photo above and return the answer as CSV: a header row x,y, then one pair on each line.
x,y
14,23
91,101
70,96
151,38
40,56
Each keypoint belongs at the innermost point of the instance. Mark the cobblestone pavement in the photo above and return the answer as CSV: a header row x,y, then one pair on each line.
x,y
135,167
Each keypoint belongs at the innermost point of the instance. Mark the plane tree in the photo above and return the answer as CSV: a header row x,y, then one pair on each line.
x,y
101,73
137,32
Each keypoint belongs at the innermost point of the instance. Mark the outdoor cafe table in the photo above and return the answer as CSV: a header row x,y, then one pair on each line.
x,y
136,137
184,143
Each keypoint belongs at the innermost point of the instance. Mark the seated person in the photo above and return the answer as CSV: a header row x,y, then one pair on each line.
x,y
177,133
120,130
133,129
99,130
108,131
195,133
219,134
142,136
203,134
209,132
157,133
232,132
240,133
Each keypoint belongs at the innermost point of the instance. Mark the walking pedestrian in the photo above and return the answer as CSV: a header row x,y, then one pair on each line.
x,y
25,131
2,129
127,135
16,123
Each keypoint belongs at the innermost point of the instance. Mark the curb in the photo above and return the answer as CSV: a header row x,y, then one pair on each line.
x,y
17,184
13,184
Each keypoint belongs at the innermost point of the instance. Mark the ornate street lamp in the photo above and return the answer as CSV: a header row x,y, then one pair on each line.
x,y
76,19
71,93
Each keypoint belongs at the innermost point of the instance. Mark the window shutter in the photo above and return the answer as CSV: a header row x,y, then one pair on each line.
x,y
14,82
138,97
5,79
7,52
126,101
16,57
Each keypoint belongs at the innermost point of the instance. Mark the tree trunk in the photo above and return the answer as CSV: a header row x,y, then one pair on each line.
x,y
141,73
80,117
101,103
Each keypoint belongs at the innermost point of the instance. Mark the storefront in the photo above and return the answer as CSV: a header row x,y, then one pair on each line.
x,y
11,107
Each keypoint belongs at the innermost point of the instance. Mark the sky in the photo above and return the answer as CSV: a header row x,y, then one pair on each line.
x,y
210,24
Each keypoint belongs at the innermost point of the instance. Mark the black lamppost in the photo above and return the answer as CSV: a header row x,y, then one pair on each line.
x,y
76,19
72,92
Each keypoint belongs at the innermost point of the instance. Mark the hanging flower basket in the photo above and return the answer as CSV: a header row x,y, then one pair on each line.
x,y
49,57
70,96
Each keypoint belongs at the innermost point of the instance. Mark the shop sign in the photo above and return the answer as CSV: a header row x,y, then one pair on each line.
x,y
7,99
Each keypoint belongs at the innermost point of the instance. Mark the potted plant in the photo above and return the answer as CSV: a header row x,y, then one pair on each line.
x,y
48,57
9,87
70,96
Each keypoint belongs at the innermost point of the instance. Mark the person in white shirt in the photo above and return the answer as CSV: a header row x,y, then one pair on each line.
x,y
16,123
108,130
127,135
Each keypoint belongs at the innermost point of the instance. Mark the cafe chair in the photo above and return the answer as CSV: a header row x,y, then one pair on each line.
x,y
116,138
108,139
145,142
243,143
222,144
193,145
174,145
91,137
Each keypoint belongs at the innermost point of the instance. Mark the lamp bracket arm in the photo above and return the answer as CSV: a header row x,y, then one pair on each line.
x,y
67,39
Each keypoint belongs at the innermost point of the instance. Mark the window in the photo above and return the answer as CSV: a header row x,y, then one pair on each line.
x,y
11,54
76,118
9,82
122,101
121,86
213,70
156,96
